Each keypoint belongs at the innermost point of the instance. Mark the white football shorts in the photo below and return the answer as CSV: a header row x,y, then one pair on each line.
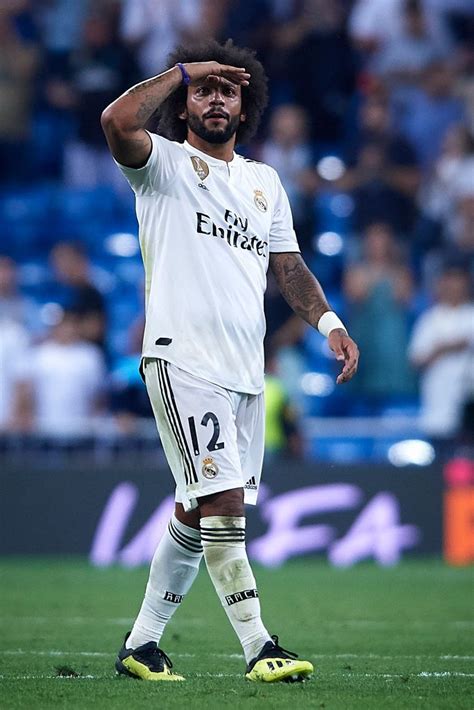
x,y
213,438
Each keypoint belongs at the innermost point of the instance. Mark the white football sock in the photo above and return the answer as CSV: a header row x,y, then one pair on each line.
x,y
223,541
173,570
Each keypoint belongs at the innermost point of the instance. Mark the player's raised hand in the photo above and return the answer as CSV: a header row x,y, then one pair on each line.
x,y
345,350
213,71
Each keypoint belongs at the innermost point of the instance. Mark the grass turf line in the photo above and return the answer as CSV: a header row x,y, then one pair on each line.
x,y
396,638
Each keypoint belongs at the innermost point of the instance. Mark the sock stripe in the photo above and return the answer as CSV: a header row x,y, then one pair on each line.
x,y
218,540
192,547
172,422
189,538
184,545
191,533
186,538
166,376
220,536
219,533
217,530
190,544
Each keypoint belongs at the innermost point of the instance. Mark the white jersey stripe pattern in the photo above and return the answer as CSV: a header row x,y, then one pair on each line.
x,y
172,422
186,541
175,422
164,367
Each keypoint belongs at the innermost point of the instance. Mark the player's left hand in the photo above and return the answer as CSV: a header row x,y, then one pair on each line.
x,y
345,350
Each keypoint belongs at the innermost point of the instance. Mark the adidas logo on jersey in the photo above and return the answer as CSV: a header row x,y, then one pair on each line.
x,y
251,484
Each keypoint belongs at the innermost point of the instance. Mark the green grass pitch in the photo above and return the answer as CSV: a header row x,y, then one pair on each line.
x,y
379,638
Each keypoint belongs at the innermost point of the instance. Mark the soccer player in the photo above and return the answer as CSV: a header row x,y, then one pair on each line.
x,y
211,223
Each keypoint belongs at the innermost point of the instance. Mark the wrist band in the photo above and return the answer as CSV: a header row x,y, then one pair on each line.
x,y
329,321
186,79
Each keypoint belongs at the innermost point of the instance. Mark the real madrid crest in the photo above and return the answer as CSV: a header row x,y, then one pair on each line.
x,y
209,467
201,168
260,200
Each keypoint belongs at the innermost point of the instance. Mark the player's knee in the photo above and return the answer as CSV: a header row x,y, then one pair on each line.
x,y
222,503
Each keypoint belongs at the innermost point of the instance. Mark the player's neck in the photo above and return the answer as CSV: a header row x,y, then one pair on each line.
x,y
220,151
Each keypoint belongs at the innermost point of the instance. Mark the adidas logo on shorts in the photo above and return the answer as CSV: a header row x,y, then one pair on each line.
x,y
251,484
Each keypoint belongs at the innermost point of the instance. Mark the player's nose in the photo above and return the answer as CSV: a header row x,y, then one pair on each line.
x,y
216,97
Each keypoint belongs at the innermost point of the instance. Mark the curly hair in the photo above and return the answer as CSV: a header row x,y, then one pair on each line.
x,y
254,96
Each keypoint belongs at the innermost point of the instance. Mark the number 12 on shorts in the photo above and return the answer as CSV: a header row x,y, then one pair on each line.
x,y
214,444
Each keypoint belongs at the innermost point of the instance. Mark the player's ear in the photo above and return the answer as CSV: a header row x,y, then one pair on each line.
x,y
243,117
184,114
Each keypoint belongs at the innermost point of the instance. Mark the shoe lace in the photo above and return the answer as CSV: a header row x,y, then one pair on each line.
x,y
157,657
283,651
164,657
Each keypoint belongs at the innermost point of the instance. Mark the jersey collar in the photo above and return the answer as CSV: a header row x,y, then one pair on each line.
x,y
209,159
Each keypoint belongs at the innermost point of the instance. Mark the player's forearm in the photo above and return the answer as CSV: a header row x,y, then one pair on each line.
x,y
299,287
131,111
123,120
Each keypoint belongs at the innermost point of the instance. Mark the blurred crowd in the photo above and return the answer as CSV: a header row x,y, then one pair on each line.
x,y
371,129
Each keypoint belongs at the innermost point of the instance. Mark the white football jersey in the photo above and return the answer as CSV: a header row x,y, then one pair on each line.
x,y
206,230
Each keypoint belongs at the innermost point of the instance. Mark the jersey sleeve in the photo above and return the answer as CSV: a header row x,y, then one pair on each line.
x,y
282,233
159,170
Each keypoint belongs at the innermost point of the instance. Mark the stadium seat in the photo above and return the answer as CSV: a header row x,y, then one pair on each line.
x,y
26,217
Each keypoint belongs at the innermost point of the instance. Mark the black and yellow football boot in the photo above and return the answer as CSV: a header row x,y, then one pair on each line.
x,y
274,664
147,662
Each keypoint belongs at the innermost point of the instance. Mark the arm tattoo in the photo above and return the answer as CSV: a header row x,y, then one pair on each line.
x,y
145,110
146,91
299,287
144,85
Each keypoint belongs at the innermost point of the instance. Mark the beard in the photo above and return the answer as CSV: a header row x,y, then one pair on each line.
x,y
213,135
